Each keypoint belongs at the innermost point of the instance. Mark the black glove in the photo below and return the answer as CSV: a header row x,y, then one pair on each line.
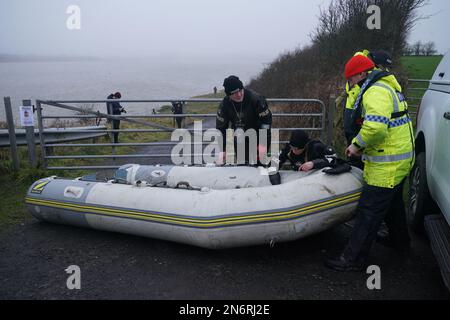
x,y
275,179
340,168
123,110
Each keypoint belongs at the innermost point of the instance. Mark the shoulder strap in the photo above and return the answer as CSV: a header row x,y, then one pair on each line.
x,y
396,97
373,77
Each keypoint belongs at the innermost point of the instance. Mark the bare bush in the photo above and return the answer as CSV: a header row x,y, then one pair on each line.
x,y
87,109
316,71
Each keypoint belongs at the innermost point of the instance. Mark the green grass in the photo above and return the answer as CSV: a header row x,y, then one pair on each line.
x,y
14,187
420,67
12,209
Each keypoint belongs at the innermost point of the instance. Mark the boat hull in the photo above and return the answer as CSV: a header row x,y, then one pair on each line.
x,y
206,218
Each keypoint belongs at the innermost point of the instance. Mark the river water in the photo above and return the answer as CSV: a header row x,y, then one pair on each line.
x,y
137,78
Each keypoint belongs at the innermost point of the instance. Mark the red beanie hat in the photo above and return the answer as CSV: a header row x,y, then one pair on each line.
x,y
358,64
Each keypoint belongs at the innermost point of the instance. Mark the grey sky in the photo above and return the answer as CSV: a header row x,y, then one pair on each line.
x,y
196,27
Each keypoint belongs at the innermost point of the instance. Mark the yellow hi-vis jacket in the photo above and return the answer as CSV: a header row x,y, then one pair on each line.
x,y
352,94
387,139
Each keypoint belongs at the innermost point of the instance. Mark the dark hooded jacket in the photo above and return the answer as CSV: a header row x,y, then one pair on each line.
x,y
252,113
315,151
113,107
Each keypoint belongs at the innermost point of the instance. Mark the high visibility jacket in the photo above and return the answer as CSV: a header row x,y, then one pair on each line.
x,y
352,94
386,135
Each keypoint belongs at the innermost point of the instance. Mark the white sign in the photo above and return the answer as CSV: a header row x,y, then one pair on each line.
x,y
26,116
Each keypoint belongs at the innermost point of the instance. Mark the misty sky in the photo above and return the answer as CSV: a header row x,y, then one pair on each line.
x,y
263,28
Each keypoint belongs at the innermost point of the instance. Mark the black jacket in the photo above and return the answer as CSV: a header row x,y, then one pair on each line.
x,y
314,151
177,108
113,107
252,113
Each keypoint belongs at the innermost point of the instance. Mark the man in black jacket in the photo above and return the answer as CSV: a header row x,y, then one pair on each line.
x,y
114,108
306,154
243,109
177,108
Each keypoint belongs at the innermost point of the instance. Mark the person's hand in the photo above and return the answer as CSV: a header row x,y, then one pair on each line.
x,y
123,110
352,151
306,166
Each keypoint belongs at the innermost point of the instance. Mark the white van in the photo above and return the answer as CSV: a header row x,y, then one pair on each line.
x,y
429,193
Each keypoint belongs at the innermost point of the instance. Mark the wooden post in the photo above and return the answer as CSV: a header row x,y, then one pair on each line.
x,y
30,140
12,134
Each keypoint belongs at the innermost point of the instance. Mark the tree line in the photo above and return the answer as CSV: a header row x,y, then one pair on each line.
x,y
420,48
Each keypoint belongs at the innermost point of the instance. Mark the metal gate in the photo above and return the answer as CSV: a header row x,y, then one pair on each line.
x,y
321,125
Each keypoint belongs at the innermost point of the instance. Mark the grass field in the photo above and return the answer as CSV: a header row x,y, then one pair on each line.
x,y
420,67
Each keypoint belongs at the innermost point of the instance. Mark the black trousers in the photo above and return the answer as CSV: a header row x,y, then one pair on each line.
x,y
116,126
375,205
179,121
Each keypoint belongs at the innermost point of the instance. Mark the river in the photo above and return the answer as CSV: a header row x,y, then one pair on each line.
x,y
135,78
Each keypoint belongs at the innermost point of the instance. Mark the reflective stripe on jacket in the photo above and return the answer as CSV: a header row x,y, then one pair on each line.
x,y
387,140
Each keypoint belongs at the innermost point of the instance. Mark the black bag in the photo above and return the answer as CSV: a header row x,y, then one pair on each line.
x,y
339,166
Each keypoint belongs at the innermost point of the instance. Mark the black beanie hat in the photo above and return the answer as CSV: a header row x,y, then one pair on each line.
x,y
299,139
231,84
381,57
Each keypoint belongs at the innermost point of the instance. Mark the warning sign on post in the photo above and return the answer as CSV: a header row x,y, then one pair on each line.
x,y
26,116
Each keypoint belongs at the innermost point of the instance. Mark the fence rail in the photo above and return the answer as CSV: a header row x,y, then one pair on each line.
x,y
54,135
414,94
321,127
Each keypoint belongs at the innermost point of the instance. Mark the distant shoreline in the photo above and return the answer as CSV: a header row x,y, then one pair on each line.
x,y
42,58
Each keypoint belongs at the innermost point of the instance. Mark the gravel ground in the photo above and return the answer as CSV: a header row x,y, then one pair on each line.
x,y
34,256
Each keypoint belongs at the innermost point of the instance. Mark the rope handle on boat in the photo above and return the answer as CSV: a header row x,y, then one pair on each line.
x,y
187,185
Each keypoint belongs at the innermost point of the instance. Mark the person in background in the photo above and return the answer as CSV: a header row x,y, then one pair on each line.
x,y
114,108
382,59
177,108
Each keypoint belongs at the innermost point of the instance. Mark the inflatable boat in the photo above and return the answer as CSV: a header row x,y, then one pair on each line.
x,y
210,207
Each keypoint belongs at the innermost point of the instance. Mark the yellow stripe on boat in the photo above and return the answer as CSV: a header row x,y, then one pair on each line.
x,y
201,222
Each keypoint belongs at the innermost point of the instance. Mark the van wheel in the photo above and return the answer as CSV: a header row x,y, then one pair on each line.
x,y
420,202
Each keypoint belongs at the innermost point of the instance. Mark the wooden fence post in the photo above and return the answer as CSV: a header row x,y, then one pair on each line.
x,y
12,134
